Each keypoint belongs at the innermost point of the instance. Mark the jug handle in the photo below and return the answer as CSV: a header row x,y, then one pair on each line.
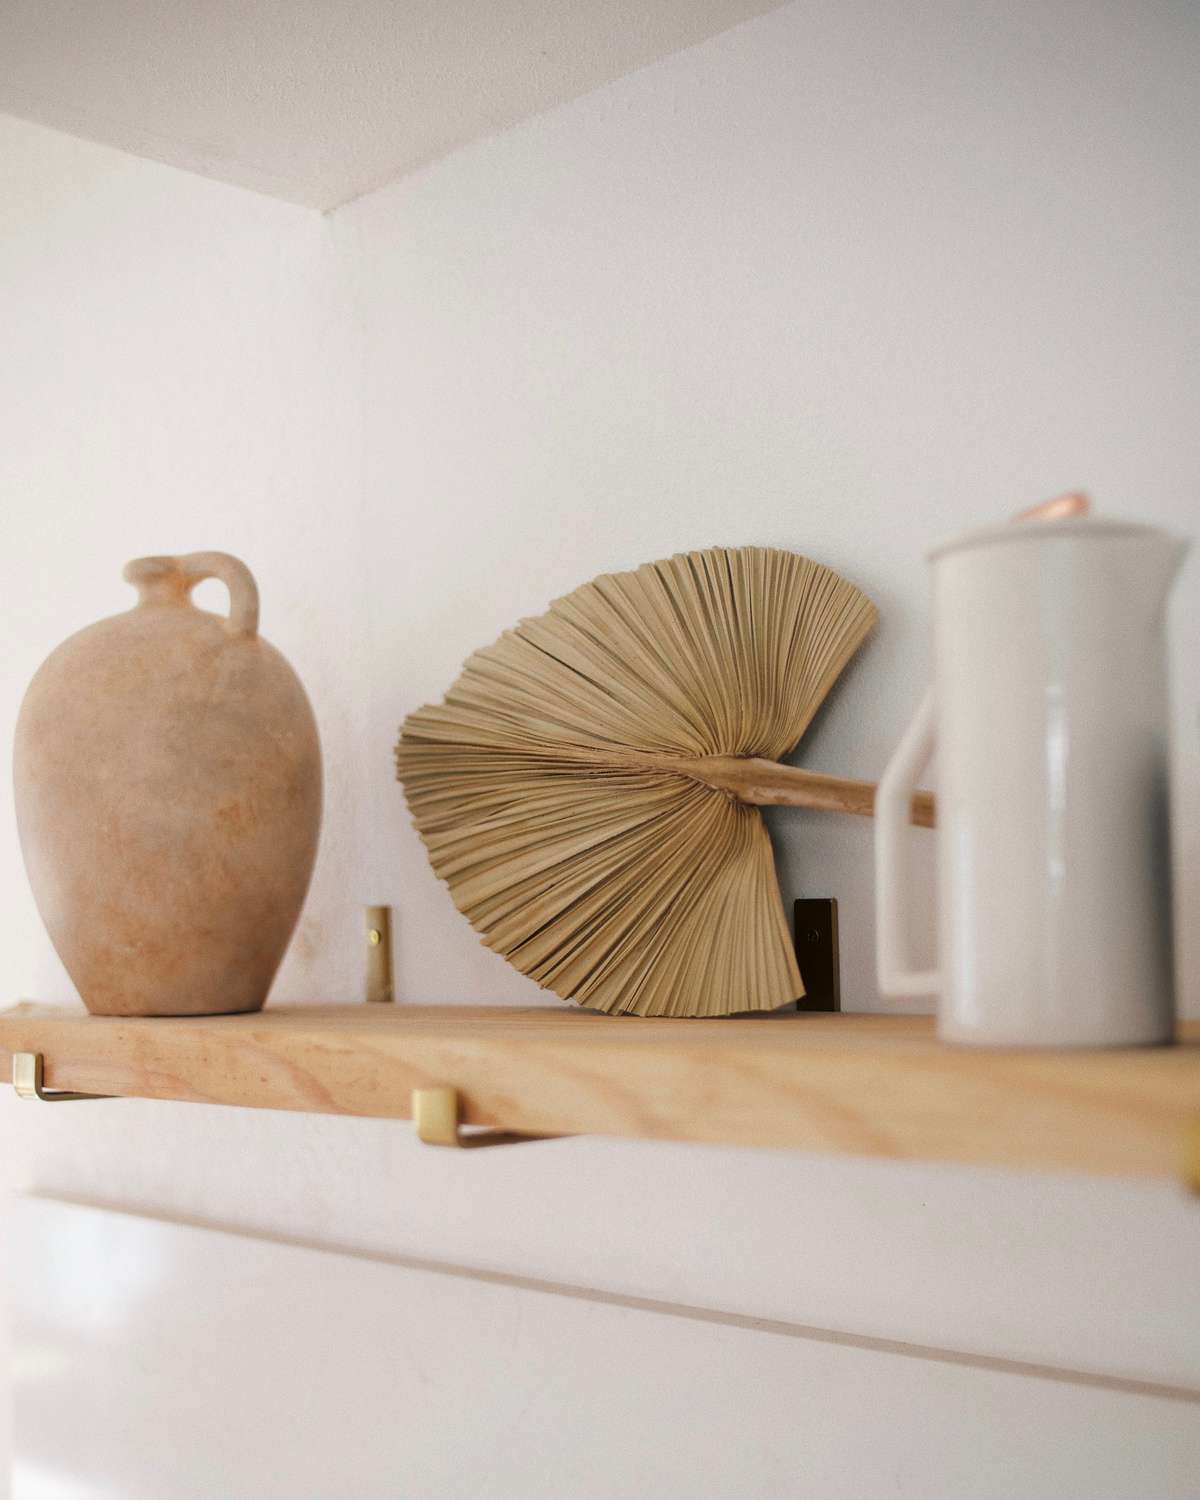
x,y
897,977
237,578
181,575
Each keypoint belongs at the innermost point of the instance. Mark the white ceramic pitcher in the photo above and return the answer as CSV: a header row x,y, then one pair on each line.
x,y
1049,717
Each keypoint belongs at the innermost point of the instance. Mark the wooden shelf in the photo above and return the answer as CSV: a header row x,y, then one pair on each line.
x,y
869,1085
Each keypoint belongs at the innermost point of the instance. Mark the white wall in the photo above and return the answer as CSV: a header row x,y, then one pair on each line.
x,y
178,369
406,1382
842,280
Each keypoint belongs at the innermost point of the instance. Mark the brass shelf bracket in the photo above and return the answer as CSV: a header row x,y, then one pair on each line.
x,y
435,1114
1190,1165
380,989
28,1070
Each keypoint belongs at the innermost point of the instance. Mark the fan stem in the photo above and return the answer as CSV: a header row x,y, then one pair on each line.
x,y
766,783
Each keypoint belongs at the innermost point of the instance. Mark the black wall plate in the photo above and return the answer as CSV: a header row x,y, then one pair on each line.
x,y
817,953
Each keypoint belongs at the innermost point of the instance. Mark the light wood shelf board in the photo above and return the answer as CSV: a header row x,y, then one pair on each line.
x,y
869,1085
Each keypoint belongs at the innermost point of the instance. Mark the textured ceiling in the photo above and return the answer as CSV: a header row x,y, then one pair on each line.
x,y
318,101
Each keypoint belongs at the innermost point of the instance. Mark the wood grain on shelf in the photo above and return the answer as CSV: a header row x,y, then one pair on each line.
x,y
865,1084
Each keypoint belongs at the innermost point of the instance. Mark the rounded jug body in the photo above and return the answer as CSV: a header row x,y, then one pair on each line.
x,y
167,773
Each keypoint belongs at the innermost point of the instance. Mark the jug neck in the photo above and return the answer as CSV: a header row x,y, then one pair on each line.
x,y
159,580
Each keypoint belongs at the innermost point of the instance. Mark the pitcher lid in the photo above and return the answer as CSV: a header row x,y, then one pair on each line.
x,y
1074,528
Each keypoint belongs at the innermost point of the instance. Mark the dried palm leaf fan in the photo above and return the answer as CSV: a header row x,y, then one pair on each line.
x,y
588,788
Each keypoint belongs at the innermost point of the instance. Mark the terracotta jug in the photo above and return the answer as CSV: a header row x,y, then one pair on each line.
x,y
168,785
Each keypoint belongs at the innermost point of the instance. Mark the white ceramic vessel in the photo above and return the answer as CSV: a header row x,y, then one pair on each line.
x,y
1049,717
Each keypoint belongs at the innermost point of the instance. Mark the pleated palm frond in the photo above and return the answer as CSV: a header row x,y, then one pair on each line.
x,y
551,790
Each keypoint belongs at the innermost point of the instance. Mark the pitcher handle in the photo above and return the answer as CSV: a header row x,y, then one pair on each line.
x,y
897,978
176,577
